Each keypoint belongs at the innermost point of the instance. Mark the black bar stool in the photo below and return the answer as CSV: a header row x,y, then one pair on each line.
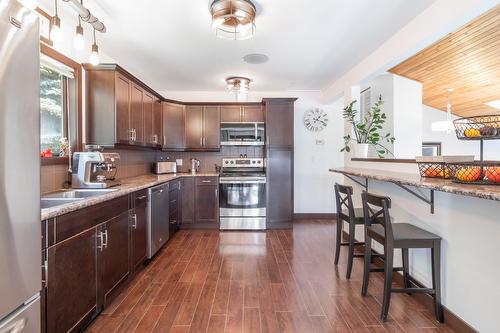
x,y
402,236
353,216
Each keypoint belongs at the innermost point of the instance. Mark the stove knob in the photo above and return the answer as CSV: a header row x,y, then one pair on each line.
x,y
226,162
232,162
253,162
258,162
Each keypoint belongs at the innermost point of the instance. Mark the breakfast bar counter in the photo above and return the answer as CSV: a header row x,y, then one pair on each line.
x,y
490,192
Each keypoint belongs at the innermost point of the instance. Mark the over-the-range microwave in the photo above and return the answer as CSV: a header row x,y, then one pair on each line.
x,y
242,134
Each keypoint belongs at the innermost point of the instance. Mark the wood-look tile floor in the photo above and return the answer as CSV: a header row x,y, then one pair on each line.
x,y
274,281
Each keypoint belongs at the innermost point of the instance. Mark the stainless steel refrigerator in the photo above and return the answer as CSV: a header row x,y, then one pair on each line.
x,y
20,243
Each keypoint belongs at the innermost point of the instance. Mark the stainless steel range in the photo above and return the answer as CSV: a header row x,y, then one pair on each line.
x,y
243,194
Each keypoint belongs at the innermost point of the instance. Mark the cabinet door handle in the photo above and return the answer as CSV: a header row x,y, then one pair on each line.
x,y
206,181
142,197
173,222
131,134
216,192
268,140
105,243
164,139
173,201
100,246
134,225
46,273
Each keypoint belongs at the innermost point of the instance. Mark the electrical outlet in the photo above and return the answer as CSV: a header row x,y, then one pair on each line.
x,y
320,142
179,161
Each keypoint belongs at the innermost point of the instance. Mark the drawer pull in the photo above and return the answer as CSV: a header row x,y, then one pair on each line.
x,y
142,197
206,181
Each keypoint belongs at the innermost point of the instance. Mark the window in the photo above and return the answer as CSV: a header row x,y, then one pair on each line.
x,y
52,109
365,103
60,105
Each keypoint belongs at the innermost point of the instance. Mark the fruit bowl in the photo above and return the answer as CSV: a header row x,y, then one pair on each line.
x,y
478,127
481,173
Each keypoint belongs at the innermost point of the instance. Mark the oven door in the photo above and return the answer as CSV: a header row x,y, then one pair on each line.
x,y
240,197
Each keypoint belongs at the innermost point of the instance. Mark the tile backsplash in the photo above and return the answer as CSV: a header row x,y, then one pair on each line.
x,y
132,163
209,159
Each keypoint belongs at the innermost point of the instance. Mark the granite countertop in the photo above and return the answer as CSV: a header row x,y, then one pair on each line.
x,y
128,185
490,192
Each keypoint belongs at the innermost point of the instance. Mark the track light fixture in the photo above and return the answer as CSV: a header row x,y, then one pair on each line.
x,y
94,56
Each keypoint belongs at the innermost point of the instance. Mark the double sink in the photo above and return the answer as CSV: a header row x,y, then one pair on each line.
x,y
68,196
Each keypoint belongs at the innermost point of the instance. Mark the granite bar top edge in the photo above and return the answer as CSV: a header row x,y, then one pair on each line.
x,y
128,185
488,192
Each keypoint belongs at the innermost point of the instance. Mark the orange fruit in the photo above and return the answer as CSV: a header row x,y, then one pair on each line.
x,y
469,174
493,174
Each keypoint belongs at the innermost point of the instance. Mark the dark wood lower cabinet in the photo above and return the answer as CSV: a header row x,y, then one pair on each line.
x,y
138,230
114,253
187,195
207,200
71,284
279,188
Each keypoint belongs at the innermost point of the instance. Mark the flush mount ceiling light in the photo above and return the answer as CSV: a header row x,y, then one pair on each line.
x,y
233,19
239,86
494,104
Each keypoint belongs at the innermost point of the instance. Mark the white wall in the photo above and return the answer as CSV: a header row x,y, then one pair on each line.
x,y
403,108
449,143
313,184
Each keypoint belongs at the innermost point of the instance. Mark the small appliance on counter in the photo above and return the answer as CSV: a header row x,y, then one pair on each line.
x,y
95,169
195,166
160,168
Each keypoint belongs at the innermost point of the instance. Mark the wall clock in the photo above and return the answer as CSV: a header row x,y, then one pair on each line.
x,y
315,120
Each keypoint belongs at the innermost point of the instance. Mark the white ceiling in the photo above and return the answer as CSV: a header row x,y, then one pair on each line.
x,y
170,43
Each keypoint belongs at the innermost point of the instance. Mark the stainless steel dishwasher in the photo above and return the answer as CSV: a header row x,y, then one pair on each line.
x,y
158,218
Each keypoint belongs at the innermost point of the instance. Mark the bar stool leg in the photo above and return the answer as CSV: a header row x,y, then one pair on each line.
x,y
388,269
339,240
366,270
436,279
406,267
352,231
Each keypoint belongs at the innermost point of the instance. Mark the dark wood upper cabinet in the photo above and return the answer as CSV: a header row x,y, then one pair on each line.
x,y
279,122
241,113
157,123
148,109
206,200
211,127
120,108
174,130
230,113
194,126
279,187
188,200
203,127
137,114
71,287
252,113
122,96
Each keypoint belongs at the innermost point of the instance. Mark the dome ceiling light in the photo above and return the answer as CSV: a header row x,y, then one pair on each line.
x,y
233,19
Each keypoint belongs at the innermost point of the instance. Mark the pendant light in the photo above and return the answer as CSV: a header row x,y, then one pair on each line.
x,y
446,125
94,56
55,31
78,40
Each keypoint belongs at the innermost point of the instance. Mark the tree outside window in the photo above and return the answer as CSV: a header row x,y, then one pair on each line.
x,y
52,116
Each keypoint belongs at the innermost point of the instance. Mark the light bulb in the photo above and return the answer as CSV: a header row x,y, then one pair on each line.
x,y
94,56
55,32
78,41
217,22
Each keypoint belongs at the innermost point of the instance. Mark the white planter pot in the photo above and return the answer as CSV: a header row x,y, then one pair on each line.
x,y
360,150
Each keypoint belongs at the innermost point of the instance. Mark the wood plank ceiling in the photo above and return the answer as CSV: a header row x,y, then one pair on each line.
x,y
467,60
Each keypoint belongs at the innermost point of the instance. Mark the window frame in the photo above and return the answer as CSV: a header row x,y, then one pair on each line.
x,y
77,73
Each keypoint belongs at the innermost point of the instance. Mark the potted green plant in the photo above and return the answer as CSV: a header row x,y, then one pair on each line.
x,y
367,131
